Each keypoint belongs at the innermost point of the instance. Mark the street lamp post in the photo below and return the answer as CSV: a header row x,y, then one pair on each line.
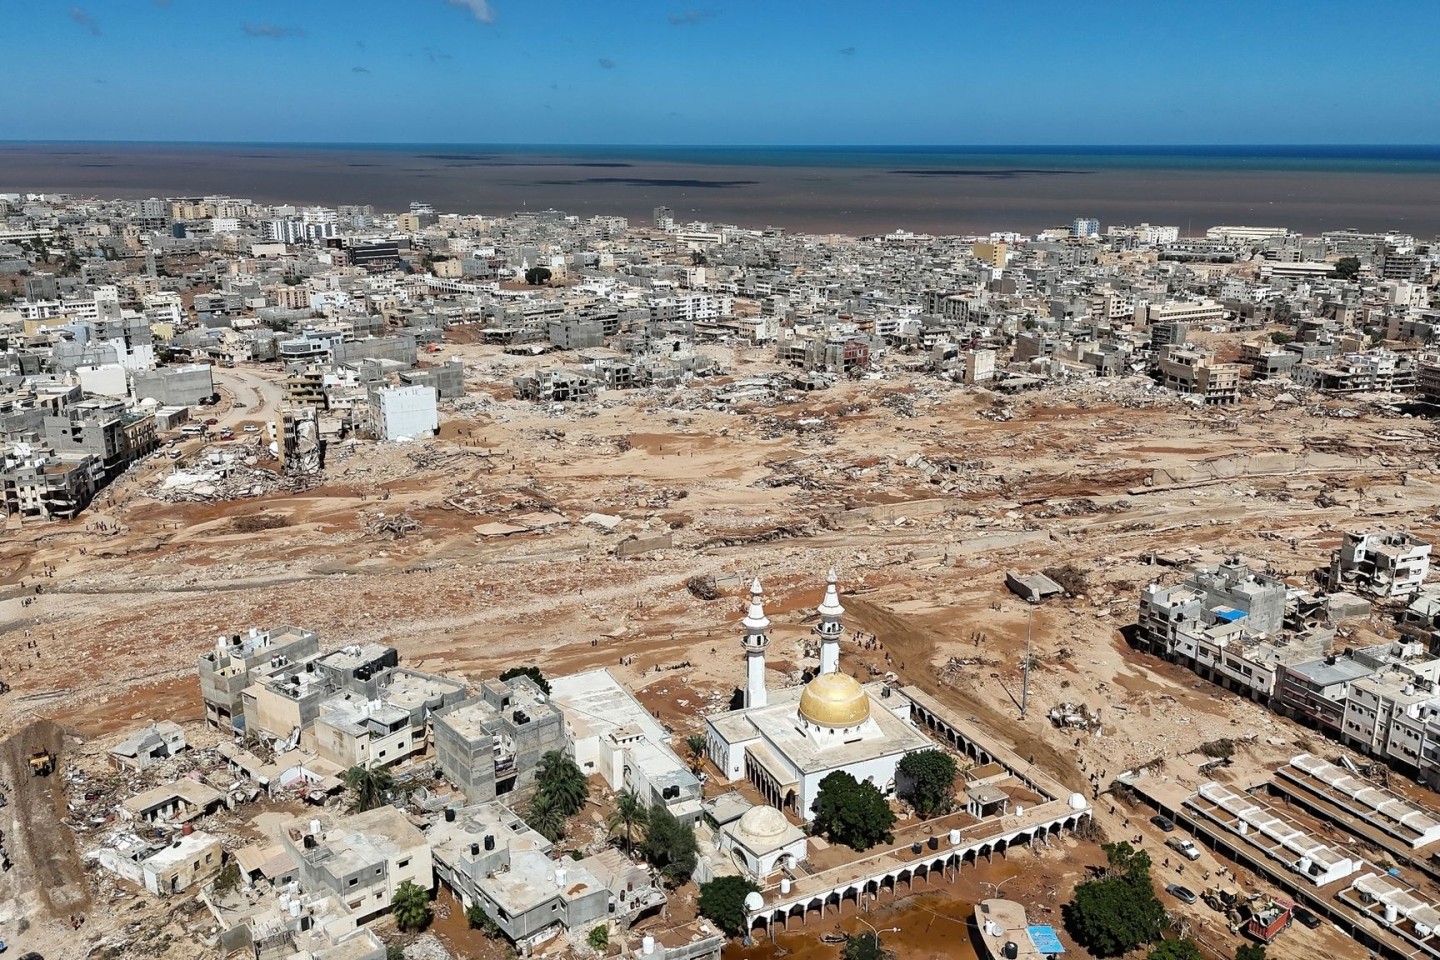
x,y
876,933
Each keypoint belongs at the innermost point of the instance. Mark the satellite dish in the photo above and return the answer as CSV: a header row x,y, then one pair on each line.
x,y
753,902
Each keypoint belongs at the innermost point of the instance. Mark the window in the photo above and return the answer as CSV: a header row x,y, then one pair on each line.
x,y
354,880
403,864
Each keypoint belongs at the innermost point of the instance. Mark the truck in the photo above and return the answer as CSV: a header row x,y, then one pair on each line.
x,y
1184,846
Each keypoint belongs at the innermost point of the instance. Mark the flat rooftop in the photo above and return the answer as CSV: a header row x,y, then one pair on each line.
x,y
1371,804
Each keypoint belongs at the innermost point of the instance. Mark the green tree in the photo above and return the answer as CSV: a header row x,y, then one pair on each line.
x,y
393,951
1250,951
865,946
561,783
546,818
695,743
630,814
670,845
1282,312
537,275
1346,268
599,937
1119,911
722,902
532,672
228,880
411,906
478,919
371,785
927,781
1280,338
1182,949
852,813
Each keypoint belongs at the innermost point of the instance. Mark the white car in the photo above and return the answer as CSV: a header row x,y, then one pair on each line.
x,y
1186,848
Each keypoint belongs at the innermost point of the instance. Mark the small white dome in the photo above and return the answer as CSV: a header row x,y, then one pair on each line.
x,y
1077,801
763,823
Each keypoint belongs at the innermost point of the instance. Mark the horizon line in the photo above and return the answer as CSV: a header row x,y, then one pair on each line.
x,y
727,146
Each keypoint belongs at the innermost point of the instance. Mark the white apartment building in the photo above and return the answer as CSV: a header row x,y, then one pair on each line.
x,y
1195,312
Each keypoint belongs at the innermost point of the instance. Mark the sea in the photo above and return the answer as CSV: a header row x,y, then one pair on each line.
x,y
842,189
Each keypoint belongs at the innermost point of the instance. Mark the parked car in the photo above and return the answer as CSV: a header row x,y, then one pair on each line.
x,y
211,421
1184,846
1183,894
1164,823
1305,918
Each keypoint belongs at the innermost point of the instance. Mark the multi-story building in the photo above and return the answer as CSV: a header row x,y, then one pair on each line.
x,y
226,671
1194,373
1229,592
1388,565
491,745
362,858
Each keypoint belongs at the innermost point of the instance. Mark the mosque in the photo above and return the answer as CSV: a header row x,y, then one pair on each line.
x,y
785,743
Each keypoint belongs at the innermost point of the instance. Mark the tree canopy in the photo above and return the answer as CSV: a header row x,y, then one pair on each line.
x,y
927,781
532,672
852,813
411,905
670,845
537,275
1346,268
1250,951
630,814
561,783
371,785
865,946
722,902
1119,911
560,791
478,919
1182,949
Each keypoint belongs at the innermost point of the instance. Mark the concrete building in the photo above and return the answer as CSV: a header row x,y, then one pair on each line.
x,y
185,862
352,730
226,671
404,412
156,742
612,734
362,858
1195,374
490,746
1229,592
180,386
1388,565
284,696
487,855
555,386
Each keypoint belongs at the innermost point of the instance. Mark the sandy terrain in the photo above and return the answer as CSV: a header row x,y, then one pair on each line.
x,y
1100,476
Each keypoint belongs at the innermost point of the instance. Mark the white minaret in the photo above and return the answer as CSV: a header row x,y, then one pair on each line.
x,y
755,642
829,628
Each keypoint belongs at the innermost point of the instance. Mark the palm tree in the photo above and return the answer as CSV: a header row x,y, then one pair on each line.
x,y
561,783
546,819
630,812
696,743
371,785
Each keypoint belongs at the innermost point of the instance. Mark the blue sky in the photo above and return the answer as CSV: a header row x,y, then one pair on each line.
x,y
695,72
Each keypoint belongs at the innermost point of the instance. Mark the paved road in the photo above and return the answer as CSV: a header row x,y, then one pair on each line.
x,y
261,395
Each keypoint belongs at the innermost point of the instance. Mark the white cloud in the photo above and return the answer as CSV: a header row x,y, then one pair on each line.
x,y
480,8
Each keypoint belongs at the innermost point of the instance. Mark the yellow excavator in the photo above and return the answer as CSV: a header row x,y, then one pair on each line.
x,y
42,763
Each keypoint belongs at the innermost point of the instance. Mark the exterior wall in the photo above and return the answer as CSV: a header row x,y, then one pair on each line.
x,y
176,386
406,412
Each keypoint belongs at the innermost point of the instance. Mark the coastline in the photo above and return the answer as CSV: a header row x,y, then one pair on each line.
x,y
817,190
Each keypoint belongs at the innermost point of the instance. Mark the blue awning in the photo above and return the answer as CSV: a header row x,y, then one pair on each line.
x,y
1045,940
1228,616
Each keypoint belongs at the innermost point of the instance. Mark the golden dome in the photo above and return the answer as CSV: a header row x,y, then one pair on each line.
x,y
835,700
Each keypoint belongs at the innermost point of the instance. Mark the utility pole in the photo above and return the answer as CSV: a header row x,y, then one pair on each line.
x,y
1025,684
